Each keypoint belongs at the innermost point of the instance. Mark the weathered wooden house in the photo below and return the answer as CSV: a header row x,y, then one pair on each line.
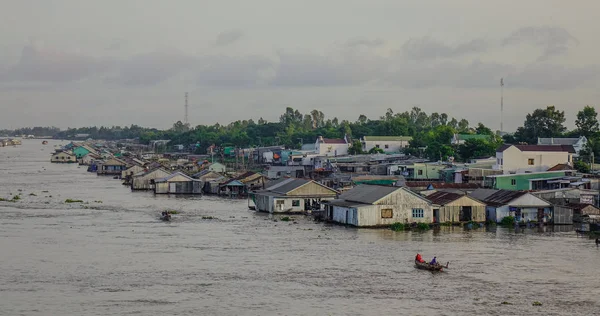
x,y
178,183
88,159
242,184
521,205
292,195
63,157
582,209
129,172
452,207
112,167
374,205
145,179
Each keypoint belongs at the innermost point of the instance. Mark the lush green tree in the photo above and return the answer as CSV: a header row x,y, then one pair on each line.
x,y
483,130
587,122
356,148
376,150
541,123
476,148
581,166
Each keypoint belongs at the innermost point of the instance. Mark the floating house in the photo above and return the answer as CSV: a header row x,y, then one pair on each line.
x,y
129,172
112,167
374,205
82,151
88,159
145,179
63,157
178,183
217,167
521,205
292,195
580,210
452,207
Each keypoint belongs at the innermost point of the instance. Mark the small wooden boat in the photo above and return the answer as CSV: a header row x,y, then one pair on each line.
x,y
45,142
430,267
165,217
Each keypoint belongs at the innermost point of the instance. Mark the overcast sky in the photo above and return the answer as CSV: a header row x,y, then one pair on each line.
x,y
73,63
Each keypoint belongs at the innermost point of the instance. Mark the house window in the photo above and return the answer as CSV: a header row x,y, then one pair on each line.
x,y
420,172
295,202
530,162
387,146
387,213
513,182
418,213
377,146
569,159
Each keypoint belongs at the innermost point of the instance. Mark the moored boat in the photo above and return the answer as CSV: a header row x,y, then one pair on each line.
x,y
430,267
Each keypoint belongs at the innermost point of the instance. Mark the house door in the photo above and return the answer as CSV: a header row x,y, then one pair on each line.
x,y
465,214
540,215
172,187
347,217
330,212
436,216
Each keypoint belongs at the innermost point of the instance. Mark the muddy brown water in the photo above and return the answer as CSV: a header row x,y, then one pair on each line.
x,y
117,258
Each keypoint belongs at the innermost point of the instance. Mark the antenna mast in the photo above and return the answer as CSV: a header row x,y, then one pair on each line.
x,y
501,106
186,108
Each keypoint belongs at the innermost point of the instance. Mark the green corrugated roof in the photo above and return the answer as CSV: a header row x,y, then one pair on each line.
x,y
387,138
473,136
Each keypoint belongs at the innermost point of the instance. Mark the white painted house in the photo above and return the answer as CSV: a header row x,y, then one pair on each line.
x,y
388,144
532,158
521,205
374,205
332,146
63,157
292,195
577,143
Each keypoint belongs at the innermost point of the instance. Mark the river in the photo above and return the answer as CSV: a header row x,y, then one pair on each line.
x,y
111,255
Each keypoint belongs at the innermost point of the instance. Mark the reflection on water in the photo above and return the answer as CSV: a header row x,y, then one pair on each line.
x,y
115,257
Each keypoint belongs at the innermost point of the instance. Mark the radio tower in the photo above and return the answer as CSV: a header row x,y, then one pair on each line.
x,y
186,109
501,106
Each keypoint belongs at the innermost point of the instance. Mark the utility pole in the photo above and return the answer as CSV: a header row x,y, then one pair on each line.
x,y
186,109
501,106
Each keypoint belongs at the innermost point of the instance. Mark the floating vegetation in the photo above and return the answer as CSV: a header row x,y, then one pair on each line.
x,y
285,219
446,224
98,201
73,201
16,198
32,194
397,227
507,221
506,303
172,212
536,303
3,200
208,217
44,191
423,226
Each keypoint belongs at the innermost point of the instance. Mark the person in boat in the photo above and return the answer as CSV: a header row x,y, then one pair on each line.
x,y
433,261
419,258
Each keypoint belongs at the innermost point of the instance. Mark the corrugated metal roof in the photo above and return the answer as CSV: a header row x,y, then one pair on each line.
x,y
287,185
368,194
442,198
503,197
549,148
171,176
557,141
560,167
482,194
387,138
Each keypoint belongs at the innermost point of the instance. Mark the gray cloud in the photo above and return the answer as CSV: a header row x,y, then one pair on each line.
x,y
317,70
229,71
553,41
476,74
42,65
543,76
151,68
228,37
365,42
427,48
